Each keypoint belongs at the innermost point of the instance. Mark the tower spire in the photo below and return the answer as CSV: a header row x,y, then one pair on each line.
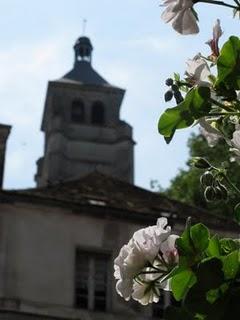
x,y
83,48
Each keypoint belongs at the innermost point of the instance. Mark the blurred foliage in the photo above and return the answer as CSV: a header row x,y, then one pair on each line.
x,y
186,185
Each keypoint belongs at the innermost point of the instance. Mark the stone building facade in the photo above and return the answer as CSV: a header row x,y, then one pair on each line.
x,y
58,241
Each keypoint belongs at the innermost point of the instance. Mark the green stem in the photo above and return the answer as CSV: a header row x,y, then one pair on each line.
x,y
219,104
229,182
216,114
219,3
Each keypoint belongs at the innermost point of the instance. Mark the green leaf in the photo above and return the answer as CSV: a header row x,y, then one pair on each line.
x,y
181,283
173,272
200,236
173,119
228,245
231,264
194,106
228,64
199,298
176,76
210,274
213,295
184,243
214,249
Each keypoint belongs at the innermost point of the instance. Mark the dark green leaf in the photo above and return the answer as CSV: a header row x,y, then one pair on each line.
x,y
228,64
194,106
214,249
181,283
174,313
228,245
184,243
210,274
231,264
213,295
173,119
200,236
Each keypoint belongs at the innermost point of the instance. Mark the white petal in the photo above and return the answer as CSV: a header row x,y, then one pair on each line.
x,y
124,288
185,22
217,30
168,14
236,139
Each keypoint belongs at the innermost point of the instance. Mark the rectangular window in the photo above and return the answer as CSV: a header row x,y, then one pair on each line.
x,y
91,280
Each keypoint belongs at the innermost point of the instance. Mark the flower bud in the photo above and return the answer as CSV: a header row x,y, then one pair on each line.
x,y
168,95
207,179
210,194
218,192
200,163
223,191
175,88
169,82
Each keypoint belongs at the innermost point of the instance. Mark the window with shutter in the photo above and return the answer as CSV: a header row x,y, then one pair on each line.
x,y
91,280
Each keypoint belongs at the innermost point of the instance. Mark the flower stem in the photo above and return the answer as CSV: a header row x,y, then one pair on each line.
x,y
229,182
219,3
216,114
219,104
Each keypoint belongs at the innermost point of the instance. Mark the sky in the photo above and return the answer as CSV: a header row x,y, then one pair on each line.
x,y
133,49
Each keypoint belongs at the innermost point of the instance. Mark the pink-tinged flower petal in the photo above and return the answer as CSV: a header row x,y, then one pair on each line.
x,y
217,30
168,14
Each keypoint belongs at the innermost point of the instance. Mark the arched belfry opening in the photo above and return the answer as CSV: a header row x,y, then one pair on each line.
x,y
83,50
98,113
77,111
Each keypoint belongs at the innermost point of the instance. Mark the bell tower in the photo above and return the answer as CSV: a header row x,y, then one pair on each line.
x,y
82,127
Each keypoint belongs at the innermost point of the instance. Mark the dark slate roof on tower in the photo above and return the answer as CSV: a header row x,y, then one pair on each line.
x,y
83,71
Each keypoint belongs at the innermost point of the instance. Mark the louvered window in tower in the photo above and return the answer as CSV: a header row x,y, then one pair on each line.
x,y
91,281
77,112
98,113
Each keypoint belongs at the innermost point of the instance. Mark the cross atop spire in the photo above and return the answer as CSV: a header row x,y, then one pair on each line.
x,y
84,26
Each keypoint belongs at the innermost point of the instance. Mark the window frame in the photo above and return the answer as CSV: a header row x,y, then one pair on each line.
x,y
96,114
75,116
92,255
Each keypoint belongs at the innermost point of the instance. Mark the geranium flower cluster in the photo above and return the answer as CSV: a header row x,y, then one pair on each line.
x,y
144,262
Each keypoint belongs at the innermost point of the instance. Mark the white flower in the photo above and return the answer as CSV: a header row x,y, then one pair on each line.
x,y
211,134
169,251
146,292
146,289
180,13
140,252
198,71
